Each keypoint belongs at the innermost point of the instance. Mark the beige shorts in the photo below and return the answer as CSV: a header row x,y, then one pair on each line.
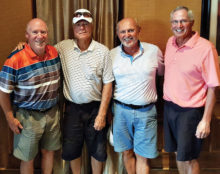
x,y
40,130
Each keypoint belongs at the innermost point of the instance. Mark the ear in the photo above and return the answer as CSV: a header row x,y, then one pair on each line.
x,y
26,35
139,28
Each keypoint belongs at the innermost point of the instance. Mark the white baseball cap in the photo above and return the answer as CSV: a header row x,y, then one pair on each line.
x,y
82,14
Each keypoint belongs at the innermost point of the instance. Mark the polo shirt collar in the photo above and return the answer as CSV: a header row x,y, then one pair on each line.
x,y
32,53
190,43
91,46
141,51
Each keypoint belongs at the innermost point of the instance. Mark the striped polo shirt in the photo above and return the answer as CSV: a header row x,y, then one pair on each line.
x,y
33,82
84,72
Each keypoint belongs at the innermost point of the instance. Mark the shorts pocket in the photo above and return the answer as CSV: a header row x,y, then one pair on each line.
x,y
152,121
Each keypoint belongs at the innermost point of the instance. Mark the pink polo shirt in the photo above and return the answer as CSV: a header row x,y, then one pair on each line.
x,y
189,71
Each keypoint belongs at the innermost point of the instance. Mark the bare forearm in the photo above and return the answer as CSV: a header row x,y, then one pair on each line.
x,y
6,105
13,123
210,103
106,97
100,120
203,128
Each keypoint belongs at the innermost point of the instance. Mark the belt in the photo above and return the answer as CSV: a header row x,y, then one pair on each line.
x,y
132,106
84,105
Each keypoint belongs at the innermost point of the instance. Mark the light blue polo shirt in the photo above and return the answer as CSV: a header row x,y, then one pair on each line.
x,y
135,76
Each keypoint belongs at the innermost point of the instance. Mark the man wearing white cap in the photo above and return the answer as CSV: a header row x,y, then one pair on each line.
x,y
87,88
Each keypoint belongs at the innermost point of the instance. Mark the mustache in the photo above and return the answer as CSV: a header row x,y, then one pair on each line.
x,y
40,42
128,38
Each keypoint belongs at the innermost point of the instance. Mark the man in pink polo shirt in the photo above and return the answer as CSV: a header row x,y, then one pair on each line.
x,y
191,77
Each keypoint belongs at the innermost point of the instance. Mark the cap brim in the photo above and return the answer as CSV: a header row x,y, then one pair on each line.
x,y
77,19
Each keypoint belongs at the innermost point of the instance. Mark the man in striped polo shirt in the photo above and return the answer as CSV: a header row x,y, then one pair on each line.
x,y
87,71
29,83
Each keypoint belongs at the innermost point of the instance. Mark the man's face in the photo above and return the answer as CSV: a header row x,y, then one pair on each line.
x,y
128,33
181,25
37,36
82,30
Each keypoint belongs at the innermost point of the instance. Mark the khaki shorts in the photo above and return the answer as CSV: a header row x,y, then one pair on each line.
x,y
40,130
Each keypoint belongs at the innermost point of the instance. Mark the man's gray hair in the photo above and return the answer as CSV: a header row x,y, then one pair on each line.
x,y
190,13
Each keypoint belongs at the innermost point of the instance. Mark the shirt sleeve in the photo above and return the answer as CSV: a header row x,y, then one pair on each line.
x,y
8,76
107,69
210,68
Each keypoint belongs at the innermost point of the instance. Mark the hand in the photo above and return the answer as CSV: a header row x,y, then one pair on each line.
x,y
203,129
100,122
19,46
15,125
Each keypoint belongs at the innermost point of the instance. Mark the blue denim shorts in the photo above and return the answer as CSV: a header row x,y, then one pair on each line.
x,y
135,129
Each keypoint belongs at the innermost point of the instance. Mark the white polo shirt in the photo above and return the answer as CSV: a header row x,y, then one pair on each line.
x,y
135,76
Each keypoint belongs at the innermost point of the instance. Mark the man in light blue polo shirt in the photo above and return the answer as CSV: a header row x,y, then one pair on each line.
x,y
135,65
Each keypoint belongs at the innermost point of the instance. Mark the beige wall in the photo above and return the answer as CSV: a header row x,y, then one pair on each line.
x,y
153,17
14,14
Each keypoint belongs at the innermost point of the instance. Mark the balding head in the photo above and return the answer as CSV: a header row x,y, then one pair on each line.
x,y
128,31
128,20
35,21
37,35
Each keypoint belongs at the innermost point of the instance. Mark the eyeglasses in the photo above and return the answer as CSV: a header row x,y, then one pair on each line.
x,y
175,22
85,14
